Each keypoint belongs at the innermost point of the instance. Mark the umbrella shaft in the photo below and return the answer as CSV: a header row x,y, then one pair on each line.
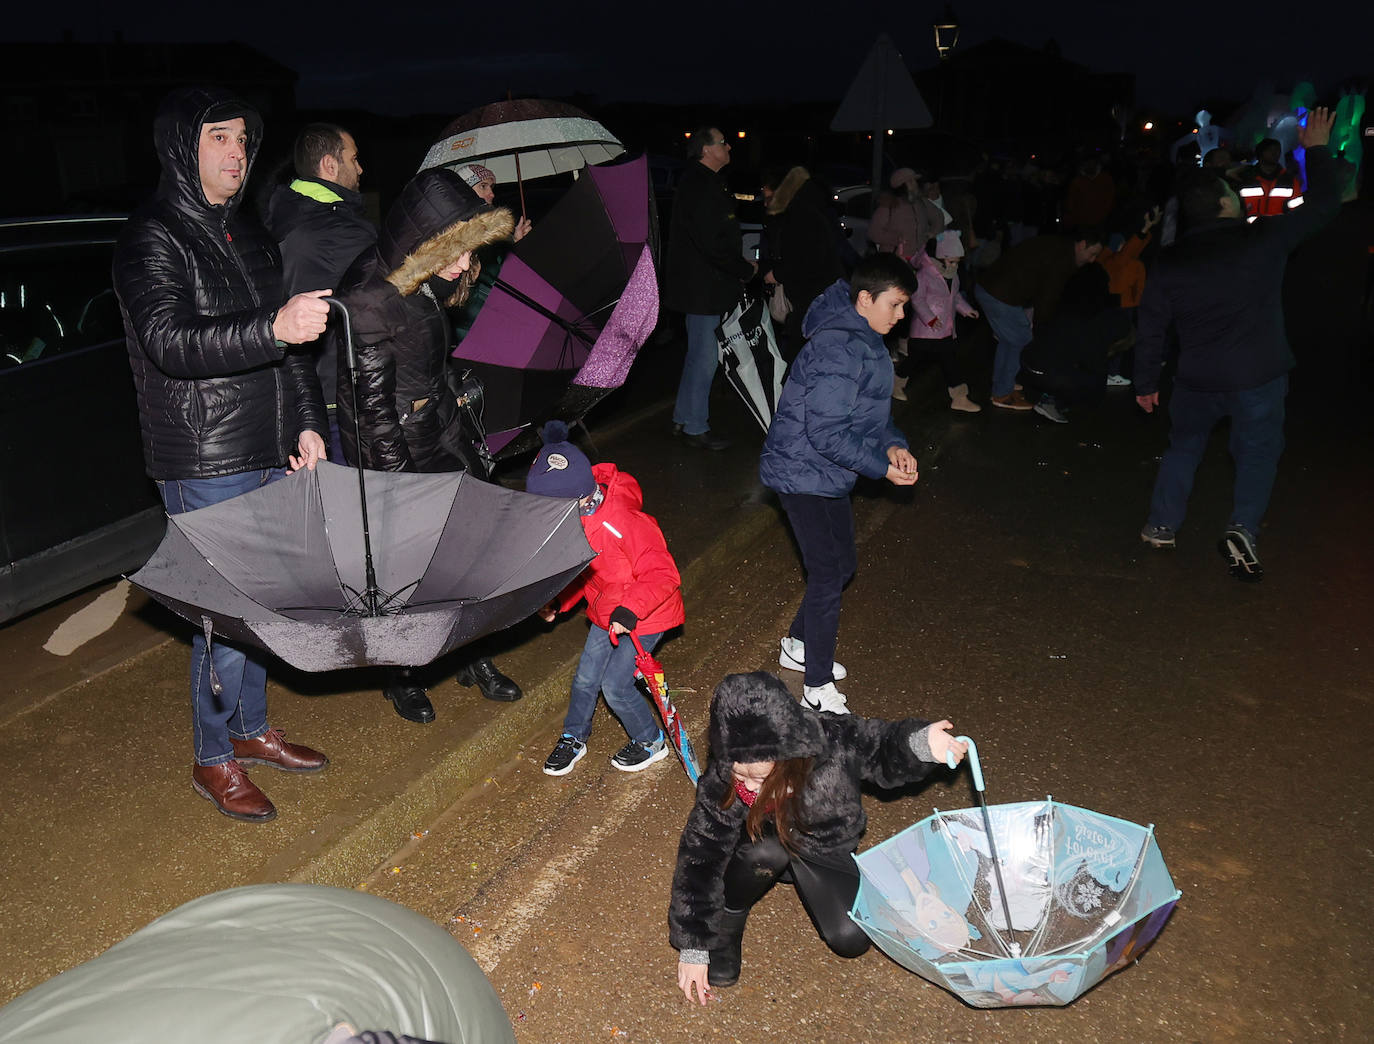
x,y
996,865
371,596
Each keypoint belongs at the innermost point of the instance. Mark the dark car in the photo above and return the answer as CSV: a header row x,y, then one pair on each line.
x,y
75,505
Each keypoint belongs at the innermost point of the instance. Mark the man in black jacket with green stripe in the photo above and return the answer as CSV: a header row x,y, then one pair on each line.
x,y
1220,286
321,227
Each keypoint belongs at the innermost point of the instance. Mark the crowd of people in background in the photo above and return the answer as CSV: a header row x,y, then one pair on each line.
x,y
1057,259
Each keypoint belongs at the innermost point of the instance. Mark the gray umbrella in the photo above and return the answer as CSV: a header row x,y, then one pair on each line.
x,y
287,567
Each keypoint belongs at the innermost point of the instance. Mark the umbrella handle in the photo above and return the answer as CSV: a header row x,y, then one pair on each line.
x,y
975,766
615,640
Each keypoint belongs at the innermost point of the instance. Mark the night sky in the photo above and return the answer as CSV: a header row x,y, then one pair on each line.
x,y
447,57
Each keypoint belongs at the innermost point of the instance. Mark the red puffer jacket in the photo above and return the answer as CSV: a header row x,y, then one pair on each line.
x,y
632,567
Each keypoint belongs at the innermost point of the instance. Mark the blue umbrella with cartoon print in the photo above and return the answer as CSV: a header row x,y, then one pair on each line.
x,y
1015,905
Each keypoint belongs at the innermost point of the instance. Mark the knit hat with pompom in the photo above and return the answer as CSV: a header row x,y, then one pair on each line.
x,y
560,469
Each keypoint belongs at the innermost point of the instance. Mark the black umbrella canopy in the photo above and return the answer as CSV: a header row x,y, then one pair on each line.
x,y
283,567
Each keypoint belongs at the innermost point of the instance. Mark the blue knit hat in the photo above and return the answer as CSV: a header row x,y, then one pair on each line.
x,y
561,469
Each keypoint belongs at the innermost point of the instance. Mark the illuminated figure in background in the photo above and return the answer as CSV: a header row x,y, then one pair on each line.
x,y
1345,135
1207,137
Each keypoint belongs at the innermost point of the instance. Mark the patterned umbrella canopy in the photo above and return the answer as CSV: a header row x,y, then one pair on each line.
x,y
547,137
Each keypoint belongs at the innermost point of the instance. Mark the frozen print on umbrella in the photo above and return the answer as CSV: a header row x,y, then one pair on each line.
x,y
1078,891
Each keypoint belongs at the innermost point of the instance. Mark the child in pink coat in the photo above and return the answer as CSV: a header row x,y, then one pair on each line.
x,y
933,308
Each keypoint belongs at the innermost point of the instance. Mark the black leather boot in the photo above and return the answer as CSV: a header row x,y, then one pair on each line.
x,y
494,685
409,698
725,962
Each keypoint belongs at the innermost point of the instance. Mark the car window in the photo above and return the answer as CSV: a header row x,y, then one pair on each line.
x,y
859,205
55,298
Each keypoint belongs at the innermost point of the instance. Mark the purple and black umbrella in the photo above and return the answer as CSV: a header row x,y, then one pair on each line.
x,y
572,305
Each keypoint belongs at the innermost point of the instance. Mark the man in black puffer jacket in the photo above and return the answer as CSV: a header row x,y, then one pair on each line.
x,y
406,411
223,403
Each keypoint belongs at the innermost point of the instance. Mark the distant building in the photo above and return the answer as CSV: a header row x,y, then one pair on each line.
x,y
77,117
1003,93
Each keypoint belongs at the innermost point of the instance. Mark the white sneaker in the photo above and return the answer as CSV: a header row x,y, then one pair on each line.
x,y
825,698
793,657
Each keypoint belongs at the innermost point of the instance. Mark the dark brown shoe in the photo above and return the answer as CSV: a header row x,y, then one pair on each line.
x,y
232,792
272,749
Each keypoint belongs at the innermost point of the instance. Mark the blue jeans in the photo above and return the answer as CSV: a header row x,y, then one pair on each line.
x,y
240,710
610,671
693,408
824,528
1012,329
1256,444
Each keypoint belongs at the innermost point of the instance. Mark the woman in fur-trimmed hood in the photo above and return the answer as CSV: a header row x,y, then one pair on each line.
x,y
780,792
396,294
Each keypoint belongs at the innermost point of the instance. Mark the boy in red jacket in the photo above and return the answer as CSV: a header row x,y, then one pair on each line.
x,y
631,585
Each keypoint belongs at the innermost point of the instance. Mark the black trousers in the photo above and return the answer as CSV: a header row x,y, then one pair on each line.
x,y
826,892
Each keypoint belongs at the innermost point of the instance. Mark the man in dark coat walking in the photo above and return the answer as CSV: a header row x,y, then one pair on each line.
x,y
223,400
320,226
1220,286
702,278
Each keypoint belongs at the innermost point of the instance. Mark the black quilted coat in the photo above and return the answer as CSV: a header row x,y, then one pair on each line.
x,y
754,718
407,414
199,287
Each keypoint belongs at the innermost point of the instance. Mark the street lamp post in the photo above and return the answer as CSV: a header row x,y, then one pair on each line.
x,y
946,36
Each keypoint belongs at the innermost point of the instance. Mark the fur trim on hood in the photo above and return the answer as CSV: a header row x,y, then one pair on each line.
x,y
754,718
435,220
787,190
436,253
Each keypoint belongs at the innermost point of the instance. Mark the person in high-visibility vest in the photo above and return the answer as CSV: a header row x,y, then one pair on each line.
x,y
1267,189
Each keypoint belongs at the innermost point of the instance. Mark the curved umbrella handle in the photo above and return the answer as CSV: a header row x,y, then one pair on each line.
x,y
615,640
975,766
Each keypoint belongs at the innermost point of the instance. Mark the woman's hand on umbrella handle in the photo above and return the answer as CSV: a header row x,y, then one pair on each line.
x,y
689,975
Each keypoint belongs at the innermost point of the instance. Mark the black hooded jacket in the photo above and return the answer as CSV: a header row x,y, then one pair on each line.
x,y
199,286
754,718
321,228
407,413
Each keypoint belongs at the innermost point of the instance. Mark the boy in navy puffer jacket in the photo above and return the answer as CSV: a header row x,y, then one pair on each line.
x,y
833,423
631,585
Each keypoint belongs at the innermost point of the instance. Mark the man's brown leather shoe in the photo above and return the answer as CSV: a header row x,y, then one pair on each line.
x,y
272,749
233,793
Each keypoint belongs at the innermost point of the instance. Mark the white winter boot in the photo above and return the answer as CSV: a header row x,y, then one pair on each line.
x,y
959,400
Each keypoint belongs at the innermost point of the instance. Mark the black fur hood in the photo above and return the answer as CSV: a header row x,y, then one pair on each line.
x,y
754,718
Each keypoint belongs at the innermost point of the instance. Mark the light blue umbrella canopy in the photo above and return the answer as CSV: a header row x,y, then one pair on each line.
x,y
1080,895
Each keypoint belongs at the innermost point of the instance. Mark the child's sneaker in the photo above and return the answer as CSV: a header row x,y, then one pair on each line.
x,y
636,756
825,698
566,753
793,657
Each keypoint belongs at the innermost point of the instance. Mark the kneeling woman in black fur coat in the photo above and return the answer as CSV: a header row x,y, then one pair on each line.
x,y
780,794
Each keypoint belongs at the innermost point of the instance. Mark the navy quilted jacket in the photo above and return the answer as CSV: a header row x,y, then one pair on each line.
x,y
834,419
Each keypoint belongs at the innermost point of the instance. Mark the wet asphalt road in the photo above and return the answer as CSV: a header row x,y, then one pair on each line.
x,y
1007,591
